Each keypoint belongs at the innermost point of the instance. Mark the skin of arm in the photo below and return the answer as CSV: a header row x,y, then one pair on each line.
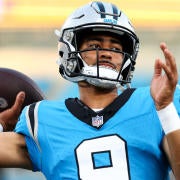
x,y
13,151
171,145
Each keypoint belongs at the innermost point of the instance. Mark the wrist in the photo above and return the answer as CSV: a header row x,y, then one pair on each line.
x,y
160,106
169,118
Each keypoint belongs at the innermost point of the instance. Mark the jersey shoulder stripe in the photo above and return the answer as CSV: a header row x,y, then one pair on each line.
x,y
32,121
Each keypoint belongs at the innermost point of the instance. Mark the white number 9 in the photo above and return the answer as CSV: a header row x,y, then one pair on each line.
x,y
102,158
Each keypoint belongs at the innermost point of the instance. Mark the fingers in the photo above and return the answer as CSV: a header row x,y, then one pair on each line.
x,y
169,58
19,101
169,66
163,45
158,67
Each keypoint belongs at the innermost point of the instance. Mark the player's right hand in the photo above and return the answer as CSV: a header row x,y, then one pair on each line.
x,y
9,117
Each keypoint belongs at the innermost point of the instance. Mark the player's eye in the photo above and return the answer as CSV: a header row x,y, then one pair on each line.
x,y
94,46
116,48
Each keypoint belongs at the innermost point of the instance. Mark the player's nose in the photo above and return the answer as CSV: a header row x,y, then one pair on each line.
x,y
105,54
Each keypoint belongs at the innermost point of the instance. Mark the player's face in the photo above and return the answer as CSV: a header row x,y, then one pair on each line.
x,y
110,58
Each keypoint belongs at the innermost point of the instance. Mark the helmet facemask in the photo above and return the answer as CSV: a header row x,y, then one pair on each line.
x,y
105,76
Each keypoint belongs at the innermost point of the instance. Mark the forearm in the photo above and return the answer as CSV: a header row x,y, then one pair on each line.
x,y
173,141
13,152
170,122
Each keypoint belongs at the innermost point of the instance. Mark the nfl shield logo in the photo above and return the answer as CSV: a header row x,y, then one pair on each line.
x,y
97,121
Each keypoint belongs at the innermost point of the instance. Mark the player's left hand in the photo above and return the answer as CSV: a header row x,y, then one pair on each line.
x,y
164,79
9,117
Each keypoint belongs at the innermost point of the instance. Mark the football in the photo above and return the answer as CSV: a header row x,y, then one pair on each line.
x,y
11,82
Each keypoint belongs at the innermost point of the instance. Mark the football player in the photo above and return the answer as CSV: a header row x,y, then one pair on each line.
x,y
101,134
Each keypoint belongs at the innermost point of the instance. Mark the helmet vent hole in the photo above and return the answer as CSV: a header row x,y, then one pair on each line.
x,y
61,53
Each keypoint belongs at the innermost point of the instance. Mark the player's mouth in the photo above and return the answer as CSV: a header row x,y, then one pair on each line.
x,y
107,64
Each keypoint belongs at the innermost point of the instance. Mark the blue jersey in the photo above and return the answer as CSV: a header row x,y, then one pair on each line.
x,y
68,140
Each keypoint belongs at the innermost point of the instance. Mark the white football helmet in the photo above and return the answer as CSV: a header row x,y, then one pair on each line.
x,y
96,17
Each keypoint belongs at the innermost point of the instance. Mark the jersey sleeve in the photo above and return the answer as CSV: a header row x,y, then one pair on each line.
x,y
28,126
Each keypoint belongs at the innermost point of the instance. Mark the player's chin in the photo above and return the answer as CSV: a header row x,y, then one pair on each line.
x,y
103,88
